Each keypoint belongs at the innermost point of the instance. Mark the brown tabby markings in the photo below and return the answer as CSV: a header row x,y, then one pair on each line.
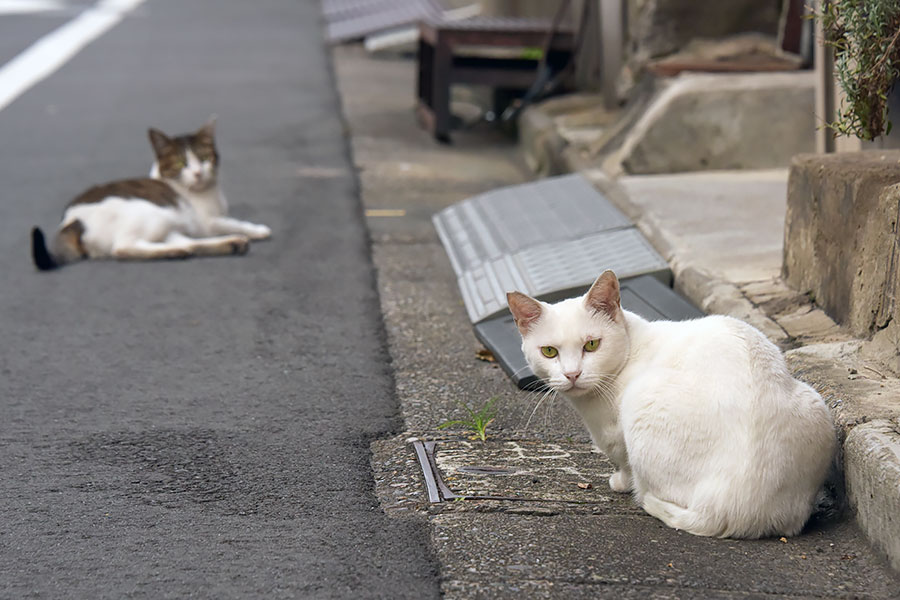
x,y
151,190
70,236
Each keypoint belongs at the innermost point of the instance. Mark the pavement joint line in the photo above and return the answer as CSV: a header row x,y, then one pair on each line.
x,y
52,51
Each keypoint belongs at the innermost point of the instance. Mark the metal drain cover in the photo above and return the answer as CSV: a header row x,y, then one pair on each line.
x,y
644,295
546,239
570,476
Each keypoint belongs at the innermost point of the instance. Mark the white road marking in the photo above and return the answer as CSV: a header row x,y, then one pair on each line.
x,y
53,50
18,7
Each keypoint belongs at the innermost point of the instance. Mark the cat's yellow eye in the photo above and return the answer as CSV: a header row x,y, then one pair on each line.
x,y
591,345
549,351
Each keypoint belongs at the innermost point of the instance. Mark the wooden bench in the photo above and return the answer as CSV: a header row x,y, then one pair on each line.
x,y
446,57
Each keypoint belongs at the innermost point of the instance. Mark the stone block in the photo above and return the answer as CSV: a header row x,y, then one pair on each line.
x,y
808,322
703,121
659,27
841,241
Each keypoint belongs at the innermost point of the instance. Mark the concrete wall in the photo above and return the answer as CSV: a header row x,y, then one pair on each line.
x,y
840,241
659,27
517,8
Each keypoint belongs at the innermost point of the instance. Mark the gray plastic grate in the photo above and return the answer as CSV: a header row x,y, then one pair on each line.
x,y
549,239
566,265
509,219
348,20
552,271
544,239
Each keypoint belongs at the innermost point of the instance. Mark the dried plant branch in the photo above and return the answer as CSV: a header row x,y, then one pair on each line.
x,y
864,35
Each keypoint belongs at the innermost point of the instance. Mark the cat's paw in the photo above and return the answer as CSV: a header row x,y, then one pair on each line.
x,y
620,482
239,245
259,232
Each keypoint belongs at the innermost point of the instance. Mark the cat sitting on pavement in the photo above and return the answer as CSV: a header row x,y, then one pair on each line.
x,y
702,419
179,211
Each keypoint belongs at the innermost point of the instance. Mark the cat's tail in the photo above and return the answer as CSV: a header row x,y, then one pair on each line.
x,y
43,260
681,518
67,246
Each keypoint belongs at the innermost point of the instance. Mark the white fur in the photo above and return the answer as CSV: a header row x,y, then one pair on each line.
x,y
702,418
115,225
197,184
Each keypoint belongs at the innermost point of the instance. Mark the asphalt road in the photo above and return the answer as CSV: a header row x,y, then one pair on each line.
x,y
195,428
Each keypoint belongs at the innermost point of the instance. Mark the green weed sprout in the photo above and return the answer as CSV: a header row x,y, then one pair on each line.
x,y
477,421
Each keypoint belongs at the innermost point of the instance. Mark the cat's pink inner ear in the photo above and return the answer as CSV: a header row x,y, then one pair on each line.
x,y
525,310
603,296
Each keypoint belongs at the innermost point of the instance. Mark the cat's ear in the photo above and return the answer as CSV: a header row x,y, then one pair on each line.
x,y
209,128
525,310
603,297
159,140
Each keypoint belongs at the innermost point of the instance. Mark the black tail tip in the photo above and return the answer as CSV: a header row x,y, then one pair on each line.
x,y
42,259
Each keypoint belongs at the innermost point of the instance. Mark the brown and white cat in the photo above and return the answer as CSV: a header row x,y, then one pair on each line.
x,y
179,211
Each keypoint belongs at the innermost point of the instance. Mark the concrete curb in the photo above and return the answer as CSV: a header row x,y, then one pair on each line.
x,y
872,471
871,449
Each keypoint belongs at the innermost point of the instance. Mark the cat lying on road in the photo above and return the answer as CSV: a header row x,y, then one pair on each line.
x,y
702,419
179,211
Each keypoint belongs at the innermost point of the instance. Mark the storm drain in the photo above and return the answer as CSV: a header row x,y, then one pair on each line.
x,y
549,239
521,471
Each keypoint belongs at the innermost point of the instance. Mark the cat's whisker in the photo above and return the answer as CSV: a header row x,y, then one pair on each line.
x,y
547,411
530,397
547,393
606,392
519,370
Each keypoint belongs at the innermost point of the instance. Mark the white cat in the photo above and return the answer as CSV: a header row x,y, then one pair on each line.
x,y
180,212
701,418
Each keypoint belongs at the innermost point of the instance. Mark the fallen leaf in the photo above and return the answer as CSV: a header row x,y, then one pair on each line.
x,y
485,355
783,540
671,566
585,486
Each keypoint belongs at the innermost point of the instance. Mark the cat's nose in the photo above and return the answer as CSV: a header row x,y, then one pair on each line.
x,y
573,375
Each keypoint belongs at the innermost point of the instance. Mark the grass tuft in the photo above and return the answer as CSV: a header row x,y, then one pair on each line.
x,y
477,421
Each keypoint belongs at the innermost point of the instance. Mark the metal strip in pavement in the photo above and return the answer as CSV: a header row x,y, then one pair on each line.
x,y
427,472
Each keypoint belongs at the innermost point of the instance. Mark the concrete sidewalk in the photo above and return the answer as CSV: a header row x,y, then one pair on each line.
x,y
552,528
